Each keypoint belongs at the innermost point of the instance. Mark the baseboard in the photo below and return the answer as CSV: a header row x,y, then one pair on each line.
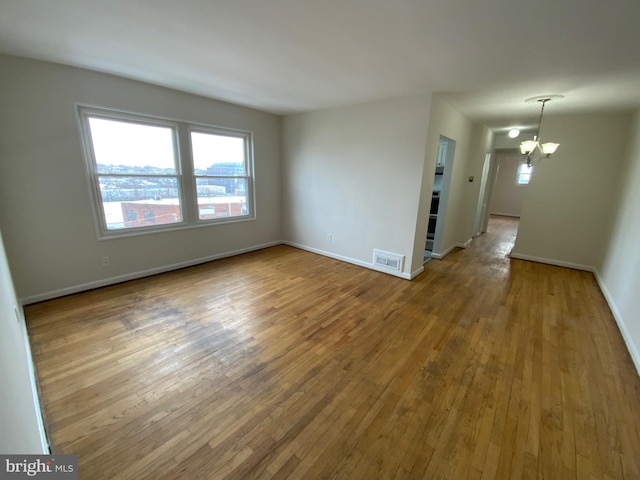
x,y
35,390
626,336
417,272
465,244
514,215
551,261
140,274
631,348
353,261
189,263
440,256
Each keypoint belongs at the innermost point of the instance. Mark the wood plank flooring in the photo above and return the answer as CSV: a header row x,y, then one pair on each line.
x,y
285,364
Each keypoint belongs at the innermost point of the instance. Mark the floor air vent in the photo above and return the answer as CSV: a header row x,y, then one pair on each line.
x,y
388,261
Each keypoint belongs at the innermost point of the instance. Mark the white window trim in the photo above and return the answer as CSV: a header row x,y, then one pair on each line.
x,y
518,173
184,171
248,155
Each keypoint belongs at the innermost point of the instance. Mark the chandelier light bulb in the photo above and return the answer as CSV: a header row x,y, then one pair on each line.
x,y
549,148
528,146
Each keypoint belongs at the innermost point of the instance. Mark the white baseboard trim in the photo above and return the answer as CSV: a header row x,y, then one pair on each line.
x,y
626,336
514,215
551,261
417,272
189,263
360,263
465,244
140,274
42,431
440,256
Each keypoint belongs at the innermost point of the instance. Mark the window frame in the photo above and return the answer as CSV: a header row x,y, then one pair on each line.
x,y
248,167
185,173
521,164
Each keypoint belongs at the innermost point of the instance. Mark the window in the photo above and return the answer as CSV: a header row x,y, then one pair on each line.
x,y
133,164
523,174
221,174
143,179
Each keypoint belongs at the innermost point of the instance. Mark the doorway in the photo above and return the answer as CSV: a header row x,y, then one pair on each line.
x,y
439,198
505,188
510,186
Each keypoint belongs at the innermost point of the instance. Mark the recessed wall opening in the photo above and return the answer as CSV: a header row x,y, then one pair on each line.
x,y
439,197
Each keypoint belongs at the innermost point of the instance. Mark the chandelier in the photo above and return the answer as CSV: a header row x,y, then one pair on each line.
x,y
529,148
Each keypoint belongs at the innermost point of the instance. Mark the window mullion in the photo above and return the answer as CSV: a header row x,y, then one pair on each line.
x,y
187,180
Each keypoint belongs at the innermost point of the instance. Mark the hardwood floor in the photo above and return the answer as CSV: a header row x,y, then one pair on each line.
x,y
285,364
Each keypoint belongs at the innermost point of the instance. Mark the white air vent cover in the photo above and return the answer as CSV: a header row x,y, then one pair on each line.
x,y
388,261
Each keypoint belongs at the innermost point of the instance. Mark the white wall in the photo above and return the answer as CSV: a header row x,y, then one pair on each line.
x,y
571,199
354,173
619,273
21,428
459,215
508,196
503,141
45,212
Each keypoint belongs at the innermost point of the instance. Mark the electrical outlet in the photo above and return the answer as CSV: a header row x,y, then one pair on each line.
x,y
329,238
105,262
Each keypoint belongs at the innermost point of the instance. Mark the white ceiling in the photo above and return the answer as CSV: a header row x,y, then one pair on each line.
x,y
486,57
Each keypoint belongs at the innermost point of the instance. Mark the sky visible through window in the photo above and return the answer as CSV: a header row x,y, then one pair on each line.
x,y
128,144
209,149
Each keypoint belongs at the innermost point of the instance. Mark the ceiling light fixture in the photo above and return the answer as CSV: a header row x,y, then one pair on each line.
x,y
528,147
513,133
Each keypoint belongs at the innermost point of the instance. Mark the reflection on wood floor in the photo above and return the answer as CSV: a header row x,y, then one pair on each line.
x,y
285,364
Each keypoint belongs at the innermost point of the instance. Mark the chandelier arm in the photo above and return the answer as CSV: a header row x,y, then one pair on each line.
x,y
545,100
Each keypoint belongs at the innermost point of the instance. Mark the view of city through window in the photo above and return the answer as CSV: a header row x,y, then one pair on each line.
x,y
138,173
221,175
